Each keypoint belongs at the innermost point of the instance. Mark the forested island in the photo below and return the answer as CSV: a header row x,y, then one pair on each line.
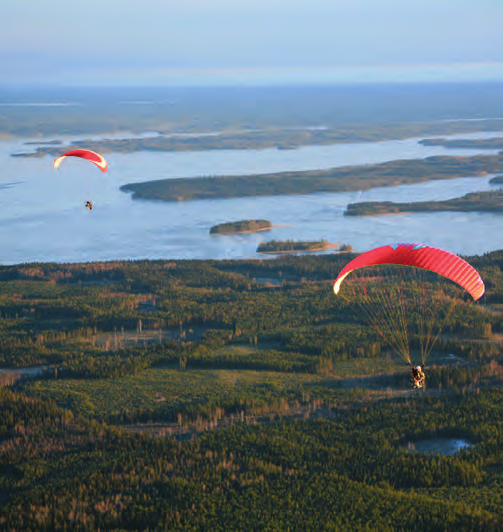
x,y
268,137
194,395
497,180
292,246
491,201
495,143
243,226
391,173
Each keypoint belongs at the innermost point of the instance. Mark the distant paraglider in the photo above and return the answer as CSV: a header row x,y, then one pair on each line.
x,y
403,293
92,156
89,155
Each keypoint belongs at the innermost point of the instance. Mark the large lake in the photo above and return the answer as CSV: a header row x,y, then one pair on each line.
x,y
42,214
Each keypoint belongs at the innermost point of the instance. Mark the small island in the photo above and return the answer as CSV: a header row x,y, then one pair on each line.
x,y
497,180
345,248
474,202
243,226
292,246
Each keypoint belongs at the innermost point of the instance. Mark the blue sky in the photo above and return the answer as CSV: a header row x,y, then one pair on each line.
x,y
218,42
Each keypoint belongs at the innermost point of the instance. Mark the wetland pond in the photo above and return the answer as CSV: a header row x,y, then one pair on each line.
x,y
445,446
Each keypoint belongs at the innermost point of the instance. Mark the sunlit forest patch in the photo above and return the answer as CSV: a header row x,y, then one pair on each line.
x,y
190,393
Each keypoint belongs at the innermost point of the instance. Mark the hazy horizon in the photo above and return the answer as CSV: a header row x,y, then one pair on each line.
x,y
250,43
53,110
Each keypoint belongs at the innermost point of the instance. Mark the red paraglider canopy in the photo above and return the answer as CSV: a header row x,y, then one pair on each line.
x,y
92,156
420,256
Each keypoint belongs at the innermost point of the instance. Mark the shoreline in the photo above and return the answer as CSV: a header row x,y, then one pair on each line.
x,y
385,213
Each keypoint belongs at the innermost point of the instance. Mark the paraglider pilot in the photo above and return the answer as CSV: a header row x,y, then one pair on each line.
x,y
417,376
89,155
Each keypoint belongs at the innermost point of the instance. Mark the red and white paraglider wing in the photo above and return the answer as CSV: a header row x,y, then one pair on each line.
x,y
419,256
92,156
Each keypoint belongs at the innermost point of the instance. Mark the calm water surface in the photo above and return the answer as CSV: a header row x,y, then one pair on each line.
x,y
446,446
42,214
